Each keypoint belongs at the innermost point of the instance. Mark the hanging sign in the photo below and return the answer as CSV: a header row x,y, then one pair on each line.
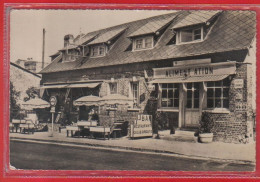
x,y
53,101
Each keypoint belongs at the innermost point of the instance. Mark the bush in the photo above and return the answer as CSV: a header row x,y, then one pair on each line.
x,y
206,123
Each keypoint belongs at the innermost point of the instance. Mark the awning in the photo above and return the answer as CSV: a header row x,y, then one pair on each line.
x,y
82,85
54,86
89,100
72,85
208,78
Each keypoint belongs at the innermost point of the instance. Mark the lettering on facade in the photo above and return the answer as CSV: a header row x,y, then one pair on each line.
x,y
190,72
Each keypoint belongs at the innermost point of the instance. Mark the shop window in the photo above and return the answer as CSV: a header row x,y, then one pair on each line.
x,y
193,95
97,51
218,94
190,35
170,95
135,92
113,88
143,43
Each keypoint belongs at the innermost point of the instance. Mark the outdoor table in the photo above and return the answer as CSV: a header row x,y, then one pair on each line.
x,y
100,129
16,123
11,127
71,129
28,126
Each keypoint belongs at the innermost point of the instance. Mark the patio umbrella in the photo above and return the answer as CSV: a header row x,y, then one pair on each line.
x,y
89,100
36,103
116,99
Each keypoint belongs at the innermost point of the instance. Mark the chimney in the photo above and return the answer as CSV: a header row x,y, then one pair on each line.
x,y
68,39
30,65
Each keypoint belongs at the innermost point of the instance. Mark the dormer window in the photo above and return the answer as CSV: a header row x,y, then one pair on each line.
x,y
143,43
98,51
190,35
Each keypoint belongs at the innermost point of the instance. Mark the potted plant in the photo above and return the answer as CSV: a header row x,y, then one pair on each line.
x,y
205,128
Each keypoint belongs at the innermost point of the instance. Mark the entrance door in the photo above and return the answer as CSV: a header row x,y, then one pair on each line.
x,y
191,105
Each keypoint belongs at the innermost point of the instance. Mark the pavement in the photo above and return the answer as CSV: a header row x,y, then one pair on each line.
x,y
218,151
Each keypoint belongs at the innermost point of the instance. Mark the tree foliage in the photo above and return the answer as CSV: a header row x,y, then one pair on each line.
x,y
14,106
32,92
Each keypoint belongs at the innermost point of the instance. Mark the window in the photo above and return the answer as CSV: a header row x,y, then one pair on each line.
x,y
170,95
193,95
97,51
143,43
135,92
113,88
148,42
190,35
218,94
139,43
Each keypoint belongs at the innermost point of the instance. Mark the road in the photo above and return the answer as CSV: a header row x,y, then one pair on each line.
x,y
26,155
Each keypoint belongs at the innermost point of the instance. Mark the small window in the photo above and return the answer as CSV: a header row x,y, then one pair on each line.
x,y
218,94
97,51
139,43
148,42
135,92
113,88
170,95
143,43
190,35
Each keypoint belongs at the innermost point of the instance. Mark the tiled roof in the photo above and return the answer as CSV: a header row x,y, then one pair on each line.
x,y
233,30
106,36
153,25
196,17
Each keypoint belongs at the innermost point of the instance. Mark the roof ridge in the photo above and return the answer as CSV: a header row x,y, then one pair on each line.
x,y
124,24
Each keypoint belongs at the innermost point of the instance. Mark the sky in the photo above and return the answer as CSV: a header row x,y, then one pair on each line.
x,y
26,27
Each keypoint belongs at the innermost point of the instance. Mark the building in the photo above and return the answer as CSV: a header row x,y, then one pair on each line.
x,y
23,79
29,64
173,66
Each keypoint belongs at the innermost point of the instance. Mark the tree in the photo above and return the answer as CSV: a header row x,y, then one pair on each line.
x,y
32,92
14,96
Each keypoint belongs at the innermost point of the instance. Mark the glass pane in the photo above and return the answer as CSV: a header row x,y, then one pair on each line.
x,y
225,103
210,103
176,93
197,37
164,103
196,103
210,84
164,93
176,86
170,93
217,84
186,36
218,92
189,103
164,85
189,94
170,103
225,92
148,42
189,85
176,102
170,85
217,103
197,86
196,94
226,82
210,92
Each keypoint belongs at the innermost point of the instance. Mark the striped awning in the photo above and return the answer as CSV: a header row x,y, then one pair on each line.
x,y
72,85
